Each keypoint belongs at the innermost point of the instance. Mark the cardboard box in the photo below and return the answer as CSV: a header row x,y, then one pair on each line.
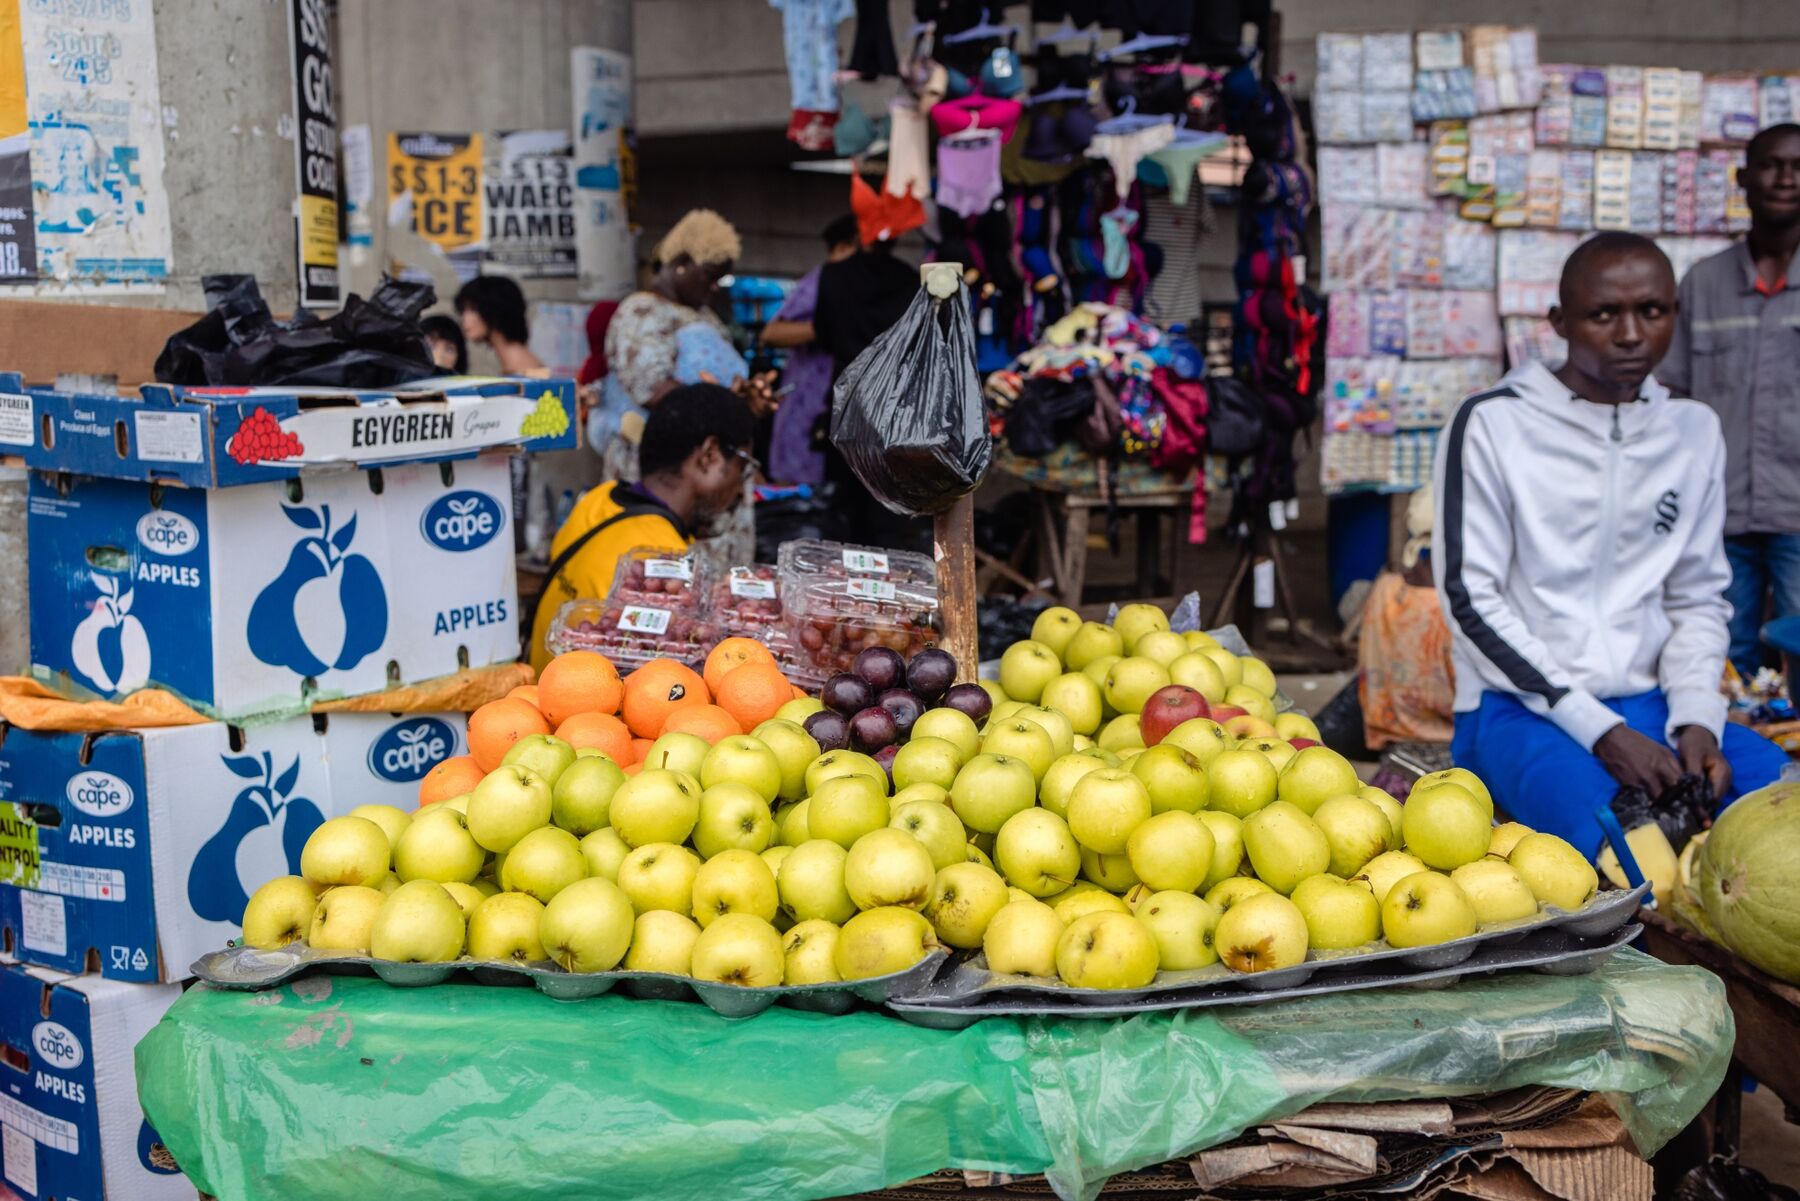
x,y
258,600
220,437
132,853
72,1127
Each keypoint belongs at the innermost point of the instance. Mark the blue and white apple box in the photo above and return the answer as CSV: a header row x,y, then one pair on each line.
x,y
69,1116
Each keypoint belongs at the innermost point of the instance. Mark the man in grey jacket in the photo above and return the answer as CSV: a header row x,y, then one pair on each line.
x,y
1737,348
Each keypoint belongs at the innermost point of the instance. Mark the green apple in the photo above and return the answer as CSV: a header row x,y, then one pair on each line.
x,y
662,942
458,803
1244,727
1077,698
733,816
1357,831
936,828
811,883
1194,670
418,923
1173,777
660,875
1251,701
1339,915
345,850
1496,891
588,925
794,751
1227,663
1122,734
1424,909
1228,847
1135,621
1240,782
1229,892
1105,807
1386,870
845,807
809,952
1036,852
1062,734
775,856
914,793
1556,872
734,881
991,788
954,727
509,803
889,867
1313,775
1446,826
1022,739
1111,872
1200,737
581,798
1055,628
677,752
278,913
965,897
543,863
996,694
1132,682
880,942
1076,903
741,759
799,709
1461,776
1171,851
1295,724
1285,846
1254,673
833,764
1025,667
1097,672
1106,950
1262,933
1021,939
1505,837
927,761
391,881
1198,640
439,848
1182,925
393,821
504,928
545,754
1278,752
740,949
1384,800
1161,646
1059,782
790,824
467,895
656,805
604,851
1092,641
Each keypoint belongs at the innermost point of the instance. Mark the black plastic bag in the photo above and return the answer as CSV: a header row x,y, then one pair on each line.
x,y
1726,1180
907,414
1682,810
373,343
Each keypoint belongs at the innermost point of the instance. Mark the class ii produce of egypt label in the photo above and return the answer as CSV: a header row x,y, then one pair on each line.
x,y
637,619
871,590
669,569
751,588
866,561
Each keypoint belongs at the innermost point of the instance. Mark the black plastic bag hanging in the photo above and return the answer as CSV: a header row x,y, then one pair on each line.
x,y
907,415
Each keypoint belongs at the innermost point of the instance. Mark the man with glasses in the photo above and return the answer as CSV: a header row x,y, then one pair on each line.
x,y
694,459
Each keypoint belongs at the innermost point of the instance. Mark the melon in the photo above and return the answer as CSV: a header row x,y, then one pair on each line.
x,y
1749,879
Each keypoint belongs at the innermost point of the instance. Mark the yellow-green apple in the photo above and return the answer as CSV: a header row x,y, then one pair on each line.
x,y
1240,782
1022,739
1313,775
543,863
439,848
1424,909
1022,938
889,867
1254,673
1167,708
504,928
587,926
1261,933
1077,698
1092,641
1285,846
345,919
844,808
418,923
1228,846
581,798
1121,734
279,912
1106,807
1496,891
913,793
1386,870
1461,776
734,881
1339,914
794,751
1059,781
732,816
660,875
1295,724
1078,903
1446,826
393,821
880,942
662,942
740,949
775,856
1055,724
1201,737
996,694
1556,872
953,726
741,759
1171,851
1182,925
1097,672
833,764
1025,667
790,824
1384,800
991,788
545,754
936,828
1229,892
1505,837
927,761
467,895
799,709
1252,702
1055,628
1227,663
1106,950
1132,682
1198,640
677,752
1279,752
1173,778
345,850
1356,829
1111,872
964,899
1194,670
604,851
1134,621
809,953
1036,852
1162,646
656,805
811,882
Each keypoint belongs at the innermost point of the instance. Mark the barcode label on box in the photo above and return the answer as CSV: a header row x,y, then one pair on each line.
x,y
669,569
872,590
866,560
639,620
169,437
46,925
83,883
15,419
34,1124
750,586
19,1151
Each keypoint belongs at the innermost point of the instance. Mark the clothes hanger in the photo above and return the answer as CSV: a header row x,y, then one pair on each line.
x,y
974,131
983,31
1142,43
1061,91
1130,120
1194,137
1066,33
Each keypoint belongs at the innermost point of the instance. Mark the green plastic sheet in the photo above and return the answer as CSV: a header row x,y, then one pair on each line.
x,y
344,1088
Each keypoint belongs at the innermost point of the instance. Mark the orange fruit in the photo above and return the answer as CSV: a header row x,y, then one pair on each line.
x,y
601,730
632,769
657,688
799,693
708,721
495,726
639,748
452,777
579,682
527,693
730,654
752,693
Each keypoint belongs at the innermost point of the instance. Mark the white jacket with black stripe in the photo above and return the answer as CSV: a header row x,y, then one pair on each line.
x,y
1579,552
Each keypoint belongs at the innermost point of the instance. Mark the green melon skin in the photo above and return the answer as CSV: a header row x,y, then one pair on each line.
x,y
1749,879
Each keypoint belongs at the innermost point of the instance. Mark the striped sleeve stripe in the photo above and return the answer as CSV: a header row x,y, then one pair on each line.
x,y
1487,640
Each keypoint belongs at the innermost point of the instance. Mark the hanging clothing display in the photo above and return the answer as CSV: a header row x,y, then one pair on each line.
x,y
909,151
872,52
1122,151
968,173
809,40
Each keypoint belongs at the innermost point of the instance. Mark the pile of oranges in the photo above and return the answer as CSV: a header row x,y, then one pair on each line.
x,y
581,699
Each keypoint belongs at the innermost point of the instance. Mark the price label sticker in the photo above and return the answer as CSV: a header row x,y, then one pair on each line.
x,y
639,620
872,590
751,587
866,561
15,419
669,569
19,865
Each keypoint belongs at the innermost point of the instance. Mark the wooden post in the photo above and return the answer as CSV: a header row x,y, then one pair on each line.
x,y
953,531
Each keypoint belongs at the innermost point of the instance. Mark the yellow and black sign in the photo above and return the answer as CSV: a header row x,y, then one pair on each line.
x,y
315,145
437,178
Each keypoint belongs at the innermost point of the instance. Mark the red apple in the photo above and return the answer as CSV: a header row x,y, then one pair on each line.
x,y
1301,744
1167,708
1224,713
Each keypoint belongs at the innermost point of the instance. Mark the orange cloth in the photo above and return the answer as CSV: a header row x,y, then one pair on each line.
x,y
31,706
1407,686
464,692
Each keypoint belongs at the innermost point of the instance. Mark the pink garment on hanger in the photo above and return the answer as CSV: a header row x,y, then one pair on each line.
x,y
977,112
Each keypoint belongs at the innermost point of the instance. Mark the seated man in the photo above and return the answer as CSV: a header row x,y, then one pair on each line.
x,y
1579,555
694,458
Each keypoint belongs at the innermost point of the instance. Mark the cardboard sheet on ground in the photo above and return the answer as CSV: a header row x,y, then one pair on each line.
x,y
333,1088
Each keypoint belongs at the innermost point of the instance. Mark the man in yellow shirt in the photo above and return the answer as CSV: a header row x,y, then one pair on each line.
x,y
694,458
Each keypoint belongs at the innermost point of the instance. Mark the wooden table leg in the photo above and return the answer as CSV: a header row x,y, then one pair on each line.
x,y
1050,562
1075,549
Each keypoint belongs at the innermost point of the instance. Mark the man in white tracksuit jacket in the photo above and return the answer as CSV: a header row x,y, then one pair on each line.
x,y
1579,555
